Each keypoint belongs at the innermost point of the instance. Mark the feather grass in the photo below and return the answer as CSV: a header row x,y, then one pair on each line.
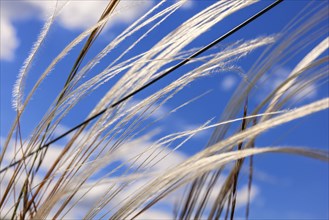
x,y
38,189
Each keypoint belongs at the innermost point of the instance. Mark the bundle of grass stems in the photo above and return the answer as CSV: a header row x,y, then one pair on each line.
x,y
86,180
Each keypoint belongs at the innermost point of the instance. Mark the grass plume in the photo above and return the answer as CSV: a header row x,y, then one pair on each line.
x,y
114,159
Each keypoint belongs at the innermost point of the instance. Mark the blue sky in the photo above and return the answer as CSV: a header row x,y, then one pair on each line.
x,y
286,186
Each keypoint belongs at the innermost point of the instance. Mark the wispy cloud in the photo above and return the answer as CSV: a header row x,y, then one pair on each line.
x,y
274,79
76,15
157,159
8,41
228,83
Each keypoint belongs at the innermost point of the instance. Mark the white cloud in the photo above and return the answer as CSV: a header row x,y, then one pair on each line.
x,y
128,11
83,14
76,15
135,152
129,150
124,154
18,10
242,197
154,214
159,157
8,41
175,124
308,92
93,196
228,83
52,153
188,4
271,81
158,112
